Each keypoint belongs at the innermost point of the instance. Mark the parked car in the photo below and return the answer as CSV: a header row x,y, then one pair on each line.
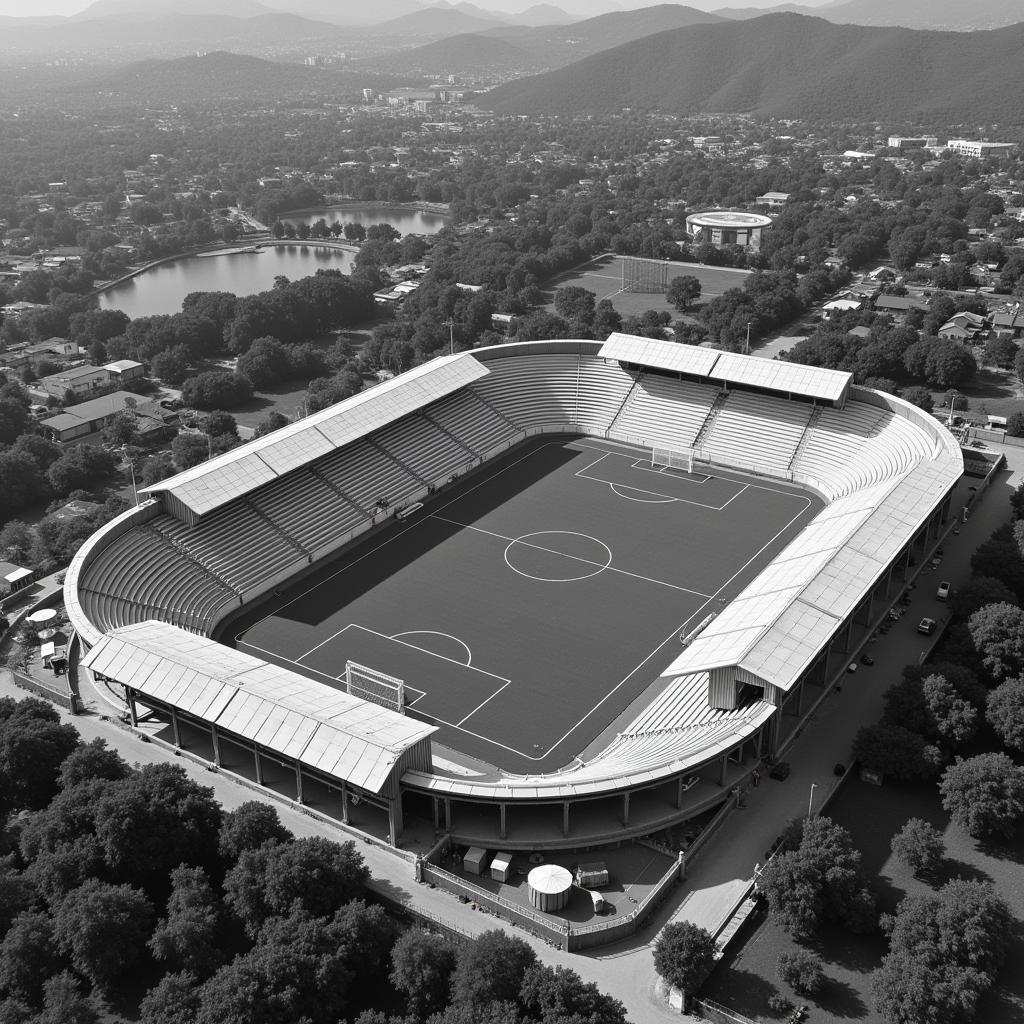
x,y
943,592
926,626
866,659
852,667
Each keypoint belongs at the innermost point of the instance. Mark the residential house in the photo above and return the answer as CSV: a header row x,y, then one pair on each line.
x,y
78,422
82,381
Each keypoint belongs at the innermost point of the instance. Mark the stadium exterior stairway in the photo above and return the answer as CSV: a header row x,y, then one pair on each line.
x,y
709,421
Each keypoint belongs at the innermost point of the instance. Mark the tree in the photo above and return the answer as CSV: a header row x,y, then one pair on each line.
x,y
63,1003
560,994
92,760
318,875
1000,351
944,951
575,303
919,396
274,421
123,429
248,827
28,956
220,424
174,1000
190,449
954,718
683,955
81,468
802,971
103,929
153,821
33,745
683,291
919,846
216,389
998,634
1000,558
187,936
977,592
984,794
822,879
1005,713
1015,424
421,969
266,362
491,969
895,751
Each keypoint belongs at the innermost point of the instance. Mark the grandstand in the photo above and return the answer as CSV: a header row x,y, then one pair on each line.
x,y
208,544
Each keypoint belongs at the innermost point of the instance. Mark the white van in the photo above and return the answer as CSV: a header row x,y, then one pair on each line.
x,y
943,592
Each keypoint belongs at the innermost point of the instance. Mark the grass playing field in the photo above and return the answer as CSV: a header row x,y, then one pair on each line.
x,y
603,277
528,606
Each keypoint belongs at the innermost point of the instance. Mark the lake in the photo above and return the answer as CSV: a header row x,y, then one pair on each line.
x,y
408,222
162,289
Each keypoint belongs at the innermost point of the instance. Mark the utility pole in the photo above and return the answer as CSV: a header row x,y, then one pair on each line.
x,y
450,324
749,325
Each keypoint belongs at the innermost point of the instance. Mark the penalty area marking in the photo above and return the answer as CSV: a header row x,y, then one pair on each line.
x,y
436,632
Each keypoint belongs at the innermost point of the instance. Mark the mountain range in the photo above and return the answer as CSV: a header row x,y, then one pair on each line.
x,y
790,65
515,50
954,15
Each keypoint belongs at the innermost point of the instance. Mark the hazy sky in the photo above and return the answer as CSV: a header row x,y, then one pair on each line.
x,y
34,8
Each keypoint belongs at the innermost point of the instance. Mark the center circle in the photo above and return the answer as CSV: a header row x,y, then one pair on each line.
x,y
557,556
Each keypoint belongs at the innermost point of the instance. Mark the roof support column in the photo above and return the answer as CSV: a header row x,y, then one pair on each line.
x,y
176,727
625,809
448,813
133,711
216,745
565,819
344,802
679,793
259,765
503,825
298,781
395,819
724,764
437,813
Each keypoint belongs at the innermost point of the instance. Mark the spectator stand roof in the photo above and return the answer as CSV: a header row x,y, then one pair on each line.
x,y
323,728
785,617
213,484
813,382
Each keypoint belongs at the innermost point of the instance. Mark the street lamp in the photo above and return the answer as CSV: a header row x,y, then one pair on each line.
x,y
953,396
450,324
748,337
810,801
131,469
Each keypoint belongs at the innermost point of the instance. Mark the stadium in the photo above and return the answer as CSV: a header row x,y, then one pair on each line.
x,y
547,595
727,227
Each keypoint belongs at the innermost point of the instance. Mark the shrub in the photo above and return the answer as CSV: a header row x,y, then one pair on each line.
x,y
919,846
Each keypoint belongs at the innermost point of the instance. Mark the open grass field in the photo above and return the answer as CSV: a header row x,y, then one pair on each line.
x,y
603,277
526,607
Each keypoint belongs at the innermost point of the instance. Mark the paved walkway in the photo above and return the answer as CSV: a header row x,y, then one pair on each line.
x,y
726,864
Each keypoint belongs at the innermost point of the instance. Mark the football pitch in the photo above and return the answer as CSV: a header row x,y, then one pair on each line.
x,y
528,606
603,277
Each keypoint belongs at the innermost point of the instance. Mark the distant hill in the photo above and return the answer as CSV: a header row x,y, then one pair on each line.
x,y
349,13
541,14
151,10
788,65
469,54
435,23
951,15
165,36
216,76
532,50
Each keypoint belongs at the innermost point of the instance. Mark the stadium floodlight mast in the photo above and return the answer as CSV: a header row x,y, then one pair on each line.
x,y
810,799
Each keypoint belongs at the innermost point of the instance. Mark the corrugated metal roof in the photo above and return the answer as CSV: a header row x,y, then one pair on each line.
x,y
791,378
283,711
662,355
207,487
729,367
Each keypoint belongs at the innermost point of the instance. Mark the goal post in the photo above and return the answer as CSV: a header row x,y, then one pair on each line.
x,y
376,687
670,458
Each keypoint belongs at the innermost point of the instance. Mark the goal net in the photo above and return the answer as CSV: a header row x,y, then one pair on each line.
x,y
644,276
668,458
374,686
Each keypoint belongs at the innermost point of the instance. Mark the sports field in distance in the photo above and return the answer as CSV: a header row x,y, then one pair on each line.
x,y
603,277
528,606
